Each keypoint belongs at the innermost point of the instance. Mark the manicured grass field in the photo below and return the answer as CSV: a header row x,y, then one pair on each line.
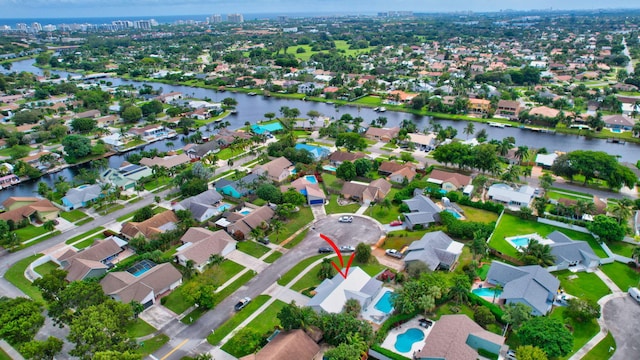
x,y
483,271
296,240
297,221
601,351
152,345
139,328
233,322
252,248
585,286
273,257
237,284
97,231
155,183
478,215
398,239
511,225
622,248
4,355
334,208
15,275
298,268
310,279
29,232
73,215
369,100
372,268
382,214
621,274
263,323
331,181
46,268
582,332
86,243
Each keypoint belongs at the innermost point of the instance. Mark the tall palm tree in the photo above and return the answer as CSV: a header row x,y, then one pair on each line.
x,y
522,153
469,129
621,211
635,255
276,227
537,254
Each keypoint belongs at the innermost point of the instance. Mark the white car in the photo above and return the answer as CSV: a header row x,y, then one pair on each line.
x,y
345,219
347,249
394,253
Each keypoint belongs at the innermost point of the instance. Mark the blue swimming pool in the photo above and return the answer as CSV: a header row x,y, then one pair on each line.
x,y
141,267
245,212
311,179
616,130
520,242
262,128
405,341
330,168
487,292
454,213
384,303
224,207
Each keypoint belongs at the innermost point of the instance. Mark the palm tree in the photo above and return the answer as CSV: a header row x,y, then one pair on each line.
x,y
537,254
460,289
276,228
506,145
522,153
469,129
635,255
526,171
170,145
189,269
49,225
496,289
621,211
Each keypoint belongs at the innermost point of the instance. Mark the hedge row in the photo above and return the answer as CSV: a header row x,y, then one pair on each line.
x,y
388,353
392,321
495,309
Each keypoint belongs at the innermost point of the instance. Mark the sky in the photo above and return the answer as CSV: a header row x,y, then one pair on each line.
x,y
111,8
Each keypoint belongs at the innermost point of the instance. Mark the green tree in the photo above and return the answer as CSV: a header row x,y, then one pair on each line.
x,y
582,310
20,319
469,129
547,333
42,350
516,314
270,193
51,284
229,101
143,214
546,181
43,58
460,289
419,295
363,166
483,316
292,196
194,187
363,253
131,114
530,352
352,307
49,225
74,298
606,228
76,146
292,316
343,351
151,107
346,171
245,341
536,253
83,125
116,355
326,270
351,141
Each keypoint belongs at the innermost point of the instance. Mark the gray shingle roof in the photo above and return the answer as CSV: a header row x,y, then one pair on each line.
x,y
432,250
199,204
85,194
566,249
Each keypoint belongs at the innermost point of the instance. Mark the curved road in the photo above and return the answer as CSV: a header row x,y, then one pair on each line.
x,y
622,316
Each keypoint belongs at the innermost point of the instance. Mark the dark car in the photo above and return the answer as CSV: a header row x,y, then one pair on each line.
x,y
325,250
242,303
264,240
425,323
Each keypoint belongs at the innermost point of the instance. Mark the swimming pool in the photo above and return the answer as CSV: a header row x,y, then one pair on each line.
x,y
616,131
384,303
330,168
454,213
141,267
520,242
487,292
405,341
262,128
311,179
224,207
245,212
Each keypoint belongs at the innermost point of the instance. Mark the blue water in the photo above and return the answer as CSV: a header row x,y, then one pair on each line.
x,y
407,339
224,207
261,129
454,213
312,179
520,242
384,304
488,292
330,168
140,272
616,130
245,212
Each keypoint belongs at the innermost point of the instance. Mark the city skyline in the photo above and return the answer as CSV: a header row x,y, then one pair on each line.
x,y
111,8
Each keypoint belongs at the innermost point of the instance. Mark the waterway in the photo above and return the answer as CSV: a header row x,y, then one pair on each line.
x,y
253,108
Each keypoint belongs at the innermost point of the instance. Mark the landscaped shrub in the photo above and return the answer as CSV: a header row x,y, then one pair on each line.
x,y
495,309
388,353
391,322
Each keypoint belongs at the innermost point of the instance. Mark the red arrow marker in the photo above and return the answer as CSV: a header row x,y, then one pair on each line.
x,y
335,248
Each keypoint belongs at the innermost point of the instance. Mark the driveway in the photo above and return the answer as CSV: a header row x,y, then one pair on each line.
x,y
622,316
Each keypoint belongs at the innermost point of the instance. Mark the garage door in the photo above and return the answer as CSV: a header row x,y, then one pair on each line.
x,y
316,202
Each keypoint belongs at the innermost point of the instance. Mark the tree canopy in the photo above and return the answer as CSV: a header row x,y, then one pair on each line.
x,y
549,334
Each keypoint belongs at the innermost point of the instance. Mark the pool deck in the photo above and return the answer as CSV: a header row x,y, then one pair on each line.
x,y
390,341
485,285
535,236
371,314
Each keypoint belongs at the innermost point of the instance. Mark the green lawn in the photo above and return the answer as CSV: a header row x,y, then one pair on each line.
x,y
85,221
372,268
88,242
237,284
383,214
621,274
582,332
557,195
273,257
622,248
298,268
483,271
334,208
296,240
369,100
15,149
511,225
252,248
479,215
125,217
586,285
139,328
4,355
15,275
152,345
263,323
108,209
73,215
297,221
233,322
155,183
84,235
331,181
601,351
310,279
398,239
29,232
46,268
193,315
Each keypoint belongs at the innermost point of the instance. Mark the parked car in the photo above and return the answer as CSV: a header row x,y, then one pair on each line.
x,y
395,223
635,294
394,253
511,355
264,240
347,249
425,323
346,219
325,250
242,303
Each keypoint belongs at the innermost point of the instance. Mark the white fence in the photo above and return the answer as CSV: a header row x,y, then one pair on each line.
x,y
564,225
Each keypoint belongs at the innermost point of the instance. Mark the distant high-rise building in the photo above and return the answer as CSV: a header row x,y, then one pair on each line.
x,y
283,18
142,24
36,27
235,18
122,24
49,28
215,18
21,26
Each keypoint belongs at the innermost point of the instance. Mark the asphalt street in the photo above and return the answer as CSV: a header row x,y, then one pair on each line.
x,y
622,316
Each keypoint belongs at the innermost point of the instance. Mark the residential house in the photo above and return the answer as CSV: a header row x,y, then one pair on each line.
x,y
145,288
618,122
546,160
308,186
81,196
309,87
457,337
509,109
544,111
150,132
366,193
511,197
449,181
239,225
202,206
8,180
531,285
92,262
424,211
169,97
338,157
401,96
238,188
332,294
168,162
89,114
407,174
318,152
199,244
287,345
387,168
31,209
277,170
573,254
425,142
381,134
479,106
436,249
106,121
34,160
159,223
126,176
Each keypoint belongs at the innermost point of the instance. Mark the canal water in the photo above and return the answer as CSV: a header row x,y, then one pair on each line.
x,y
253,108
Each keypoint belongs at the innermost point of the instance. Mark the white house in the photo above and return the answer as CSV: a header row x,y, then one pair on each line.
x,y
332,294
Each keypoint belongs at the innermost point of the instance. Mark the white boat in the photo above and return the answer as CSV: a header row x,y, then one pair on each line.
x,y
381,109
495,124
